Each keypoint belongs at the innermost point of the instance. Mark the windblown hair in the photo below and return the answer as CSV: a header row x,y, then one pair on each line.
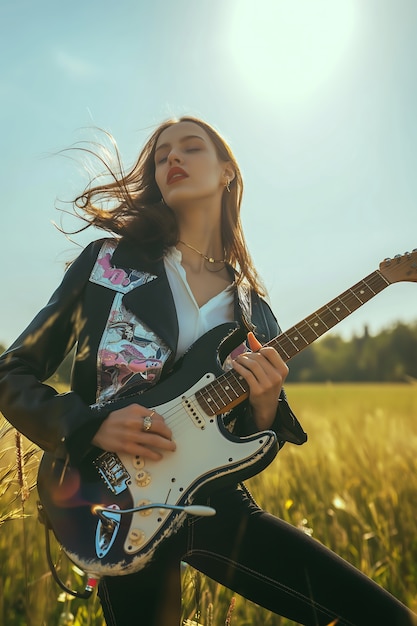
x,y
131,205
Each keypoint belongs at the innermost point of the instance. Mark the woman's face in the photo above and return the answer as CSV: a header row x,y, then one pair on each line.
x,y
187,167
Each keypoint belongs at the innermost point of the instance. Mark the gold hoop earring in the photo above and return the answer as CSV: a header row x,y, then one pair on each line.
x,y
227,185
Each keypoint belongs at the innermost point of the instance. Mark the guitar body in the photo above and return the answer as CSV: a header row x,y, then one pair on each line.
x,y
207,456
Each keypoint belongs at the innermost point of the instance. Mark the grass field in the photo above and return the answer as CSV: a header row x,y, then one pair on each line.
x,y
353,486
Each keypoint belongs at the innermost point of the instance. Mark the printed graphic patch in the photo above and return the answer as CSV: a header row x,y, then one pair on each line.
x,y
116,278
130,354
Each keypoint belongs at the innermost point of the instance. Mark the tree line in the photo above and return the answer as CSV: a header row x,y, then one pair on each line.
x,y
389,356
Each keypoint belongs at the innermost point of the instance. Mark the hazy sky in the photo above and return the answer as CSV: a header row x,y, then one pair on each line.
x,y
318,99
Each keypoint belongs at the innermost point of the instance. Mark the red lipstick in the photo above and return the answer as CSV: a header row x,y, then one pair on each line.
x,y
176,173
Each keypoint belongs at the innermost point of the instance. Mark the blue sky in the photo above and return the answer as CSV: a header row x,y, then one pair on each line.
x,y
317,98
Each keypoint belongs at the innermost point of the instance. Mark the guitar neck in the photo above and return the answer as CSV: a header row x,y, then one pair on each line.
x,y
308,330
230,389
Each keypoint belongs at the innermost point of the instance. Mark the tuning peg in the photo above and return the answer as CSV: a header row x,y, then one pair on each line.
x,y
387,260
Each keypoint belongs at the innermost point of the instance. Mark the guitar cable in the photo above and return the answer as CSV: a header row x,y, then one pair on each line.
x,y
191,509
91,582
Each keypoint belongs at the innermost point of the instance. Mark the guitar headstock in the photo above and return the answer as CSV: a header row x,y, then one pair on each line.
x,y
403,267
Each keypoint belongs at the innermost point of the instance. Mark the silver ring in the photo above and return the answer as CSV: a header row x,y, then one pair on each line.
x,y
147,421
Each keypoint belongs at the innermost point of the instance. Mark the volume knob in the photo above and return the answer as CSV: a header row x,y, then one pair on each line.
x,y
135,539
143,478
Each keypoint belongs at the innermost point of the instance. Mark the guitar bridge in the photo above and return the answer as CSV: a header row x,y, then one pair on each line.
x,y
112,471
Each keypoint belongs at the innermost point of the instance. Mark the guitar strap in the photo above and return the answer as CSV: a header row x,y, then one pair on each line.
x,y
244,301
255,315
251,317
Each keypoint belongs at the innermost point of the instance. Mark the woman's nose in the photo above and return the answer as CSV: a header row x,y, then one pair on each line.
x,y
174,156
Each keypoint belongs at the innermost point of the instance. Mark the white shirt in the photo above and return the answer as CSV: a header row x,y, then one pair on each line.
x,y
193,320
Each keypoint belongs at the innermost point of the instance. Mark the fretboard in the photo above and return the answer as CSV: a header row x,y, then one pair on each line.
x,y
230,389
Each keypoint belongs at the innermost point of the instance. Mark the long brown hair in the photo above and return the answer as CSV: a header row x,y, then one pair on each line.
x,y
131,206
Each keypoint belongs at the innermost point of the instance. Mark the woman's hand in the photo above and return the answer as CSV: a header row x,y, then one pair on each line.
x,y
265,372
124,432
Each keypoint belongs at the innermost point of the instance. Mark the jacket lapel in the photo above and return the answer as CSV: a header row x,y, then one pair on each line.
x,y
151,302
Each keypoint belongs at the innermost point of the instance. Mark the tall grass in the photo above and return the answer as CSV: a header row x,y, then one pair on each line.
x,y
353,486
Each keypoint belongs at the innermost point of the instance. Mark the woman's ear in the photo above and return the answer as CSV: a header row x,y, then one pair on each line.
x,y
229,172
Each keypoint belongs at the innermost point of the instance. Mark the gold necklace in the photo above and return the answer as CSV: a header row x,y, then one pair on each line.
x,y
209,259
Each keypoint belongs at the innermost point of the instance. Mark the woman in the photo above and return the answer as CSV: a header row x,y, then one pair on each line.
x,y
176,266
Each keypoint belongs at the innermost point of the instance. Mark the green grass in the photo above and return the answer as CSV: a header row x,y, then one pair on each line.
x,y
353,485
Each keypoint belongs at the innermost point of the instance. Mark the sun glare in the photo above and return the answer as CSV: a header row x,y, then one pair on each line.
x,y
286,50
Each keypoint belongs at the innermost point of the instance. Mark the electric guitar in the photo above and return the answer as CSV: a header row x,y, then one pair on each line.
x,y
111,512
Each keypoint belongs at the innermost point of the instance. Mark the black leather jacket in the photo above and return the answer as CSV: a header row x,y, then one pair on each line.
x,y
76,315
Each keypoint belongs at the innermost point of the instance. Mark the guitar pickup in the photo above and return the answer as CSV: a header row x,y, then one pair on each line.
x,y
193,412
112,471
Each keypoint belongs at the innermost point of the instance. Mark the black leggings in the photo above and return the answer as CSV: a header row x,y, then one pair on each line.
x,y
259,557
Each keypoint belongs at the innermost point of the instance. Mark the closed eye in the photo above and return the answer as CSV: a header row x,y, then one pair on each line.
x,y
163,159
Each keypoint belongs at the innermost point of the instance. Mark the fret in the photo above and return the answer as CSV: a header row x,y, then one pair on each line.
x,y
215,395
241,382
283,352
205,398
316,324
222,394
327,319
354,300
226,389
357,297
307,332
348,309
311,327
232,381
365,292
296,348
300,334
373,292
387,282
295,337
334,313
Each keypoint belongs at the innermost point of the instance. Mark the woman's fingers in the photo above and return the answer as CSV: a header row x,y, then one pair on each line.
x,y
135,430
264,367
265,373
